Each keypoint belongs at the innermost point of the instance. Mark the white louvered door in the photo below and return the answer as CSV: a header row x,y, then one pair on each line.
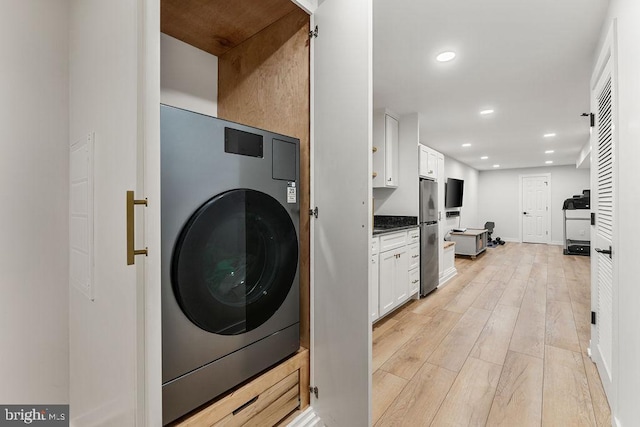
x,y
603,194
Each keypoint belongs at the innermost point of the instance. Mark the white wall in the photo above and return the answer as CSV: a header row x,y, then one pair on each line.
x,y
499,200
34,277
469,211
403,200
627,13
188,77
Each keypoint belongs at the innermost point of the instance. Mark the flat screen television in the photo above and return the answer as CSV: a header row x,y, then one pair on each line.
x,y
453,193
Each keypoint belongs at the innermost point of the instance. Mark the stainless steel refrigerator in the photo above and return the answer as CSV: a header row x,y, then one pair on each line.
x,y
429,267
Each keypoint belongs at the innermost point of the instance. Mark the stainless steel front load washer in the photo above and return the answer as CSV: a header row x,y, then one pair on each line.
x,y
230,289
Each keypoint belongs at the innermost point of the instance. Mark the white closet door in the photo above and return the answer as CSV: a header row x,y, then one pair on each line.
x,y
603,193
341,149
107,332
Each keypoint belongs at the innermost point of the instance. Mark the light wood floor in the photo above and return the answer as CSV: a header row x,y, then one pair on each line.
x,y
504,343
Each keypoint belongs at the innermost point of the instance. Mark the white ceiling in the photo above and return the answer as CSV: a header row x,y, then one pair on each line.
x,y
529,60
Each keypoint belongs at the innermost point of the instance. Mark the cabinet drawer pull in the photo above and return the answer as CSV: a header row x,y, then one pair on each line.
x,y
415,281
415,256
252,401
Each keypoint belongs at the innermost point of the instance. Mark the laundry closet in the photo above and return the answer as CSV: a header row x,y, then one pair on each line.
x,y
299,73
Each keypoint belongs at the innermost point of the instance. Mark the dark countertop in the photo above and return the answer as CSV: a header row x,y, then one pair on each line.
x,y
378,231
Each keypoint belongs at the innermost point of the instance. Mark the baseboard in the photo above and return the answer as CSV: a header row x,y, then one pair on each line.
x,y
510,239
448,275
517,240
118,412
308,418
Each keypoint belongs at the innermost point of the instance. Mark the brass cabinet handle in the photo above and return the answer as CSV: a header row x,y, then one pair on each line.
x,y
131,252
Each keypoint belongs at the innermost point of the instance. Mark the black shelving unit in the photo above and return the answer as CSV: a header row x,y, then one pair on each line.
x,y
576,246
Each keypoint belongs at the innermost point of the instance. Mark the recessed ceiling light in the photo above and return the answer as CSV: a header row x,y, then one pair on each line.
x,y
549,152
484,157
486,112
445,56
466,145
496,166
549,162
549,135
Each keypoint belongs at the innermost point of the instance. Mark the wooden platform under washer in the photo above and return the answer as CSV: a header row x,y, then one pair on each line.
x,y
263,401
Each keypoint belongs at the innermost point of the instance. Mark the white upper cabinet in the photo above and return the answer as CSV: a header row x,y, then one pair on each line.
x,y
385,149
428,162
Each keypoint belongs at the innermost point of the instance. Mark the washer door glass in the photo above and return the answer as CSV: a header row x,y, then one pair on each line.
x,y
235,261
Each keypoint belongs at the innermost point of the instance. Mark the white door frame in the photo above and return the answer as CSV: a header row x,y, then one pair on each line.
x,y
520,203
150,304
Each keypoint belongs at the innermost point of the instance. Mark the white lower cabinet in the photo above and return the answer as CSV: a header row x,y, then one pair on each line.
x,y
386,279
401,277
414,281
398,271
374,281
414,266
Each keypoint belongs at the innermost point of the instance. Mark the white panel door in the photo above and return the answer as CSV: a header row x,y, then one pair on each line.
x,y
603,192
341,148
106,98
535,209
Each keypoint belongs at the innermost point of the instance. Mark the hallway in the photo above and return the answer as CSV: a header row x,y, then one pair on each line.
x,y
503,343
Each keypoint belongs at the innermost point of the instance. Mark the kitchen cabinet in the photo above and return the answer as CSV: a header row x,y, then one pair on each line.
x,y
401,277
414,256
393,254
428,159
414,268
414,261
374,280
394,279
386,279
414,281
399,265
385,149
339,111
